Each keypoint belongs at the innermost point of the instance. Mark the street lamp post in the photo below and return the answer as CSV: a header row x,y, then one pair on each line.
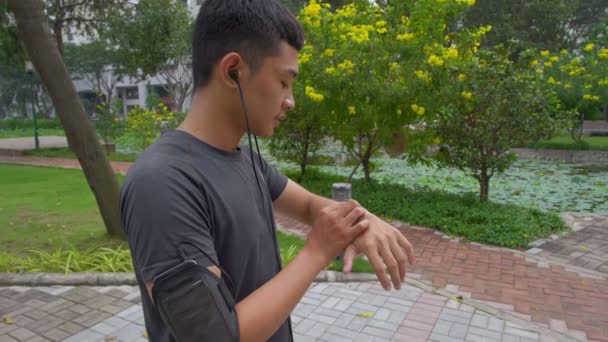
x,y
29,69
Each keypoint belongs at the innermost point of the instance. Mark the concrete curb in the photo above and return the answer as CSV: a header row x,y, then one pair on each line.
x,y
116,279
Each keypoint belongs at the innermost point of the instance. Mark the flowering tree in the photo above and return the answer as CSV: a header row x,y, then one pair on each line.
x,y
490,104
580,80
365,67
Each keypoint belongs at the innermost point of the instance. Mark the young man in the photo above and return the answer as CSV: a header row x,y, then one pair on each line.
x,y
194,191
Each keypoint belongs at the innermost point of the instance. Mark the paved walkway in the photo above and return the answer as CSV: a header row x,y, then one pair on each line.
x,y
586,246
328,312
28,143
564,299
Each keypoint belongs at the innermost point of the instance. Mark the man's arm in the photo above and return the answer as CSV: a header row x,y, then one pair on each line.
x,y
341,225
382,243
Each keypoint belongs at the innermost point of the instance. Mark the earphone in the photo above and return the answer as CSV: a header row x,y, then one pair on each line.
x,y
234,75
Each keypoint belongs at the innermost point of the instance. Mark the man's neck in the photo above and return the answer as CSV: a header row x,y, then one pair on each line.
x,y
208,121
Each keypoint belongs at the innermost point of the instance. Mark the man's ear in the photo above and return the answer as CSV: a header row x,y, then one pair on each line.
x,y
230,68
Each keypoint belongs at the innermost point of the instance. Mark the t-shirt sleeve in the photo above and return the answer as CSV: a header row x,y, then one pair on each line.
x,y
276,180
161,211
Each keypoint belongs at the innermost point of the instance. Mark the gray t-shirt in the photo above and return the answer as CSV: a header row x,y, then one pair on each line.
x,y
182,189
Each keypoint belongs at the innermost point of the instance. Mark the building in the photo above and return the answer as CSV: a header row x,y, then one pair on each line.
x,y
132,92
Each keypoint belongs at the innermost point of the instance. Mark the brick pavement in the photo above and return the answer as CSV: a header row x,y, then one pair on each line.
x,y
531,288
328,312
560,297
586,246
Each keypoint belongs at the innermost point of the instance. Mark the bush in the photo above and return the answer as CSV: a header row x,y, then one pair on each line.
x,y
14,124
465,216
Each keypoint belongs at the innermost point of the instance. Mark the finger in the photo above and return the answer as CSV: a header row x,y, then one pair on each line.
x,y
344,208
349,257
407,246
401,258
357,229
378,265
391,263
353,216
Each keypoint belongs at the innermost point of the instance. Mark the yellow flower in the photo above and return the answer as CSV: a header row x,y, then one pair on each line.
x,y
548,64
534,63
451,53
603,82
589,47
564,52
423,75
436,141
467,95
352,110
554,58
405,36
545,53
359,33
312,13
588,86
418,109
540,71
313,95
347,11
588,97
331,70
466,2
393,66
603,53
435,60
347,66
462,77
381,26
304,58
551,80
568,86
329,52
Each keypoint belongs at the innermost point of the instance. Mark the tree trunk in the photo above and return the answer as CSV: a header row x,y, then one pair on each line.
x,y
45,55
58,32
484,186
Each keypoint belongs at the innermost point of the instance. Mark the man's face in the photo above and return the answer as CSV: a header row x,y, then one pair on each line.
x,y
268,94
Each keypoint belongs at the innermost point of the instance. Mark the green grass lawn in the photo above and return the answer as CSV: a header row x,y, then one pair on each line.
x,y
565,142
29,132
49,222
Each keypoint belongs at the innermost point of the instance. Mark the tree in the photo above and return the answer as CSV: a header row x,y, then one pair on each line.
x,y
539,24
589,17
176,75
36,36
304,132
81,16
369,67
155,39
97,64
490,105
154,34
580,80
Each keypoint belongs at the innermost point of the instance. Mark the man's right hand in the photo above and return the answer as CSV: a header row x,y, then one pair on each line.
x,y
335,228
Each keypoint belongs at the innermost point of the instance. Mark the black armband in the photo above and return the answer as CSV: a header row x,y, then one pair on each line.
x,y
195,304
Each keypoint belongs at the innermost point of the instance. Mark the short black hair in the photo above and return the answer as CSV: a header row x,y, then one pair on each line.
x,y
253,28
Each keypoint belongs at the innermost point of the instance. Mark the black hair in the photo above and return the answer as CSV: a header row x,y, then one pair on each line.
x,y
252,28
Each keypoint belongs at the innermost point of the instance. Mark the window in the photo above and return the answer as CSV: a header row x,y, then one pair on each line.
x,y
132,93
130,108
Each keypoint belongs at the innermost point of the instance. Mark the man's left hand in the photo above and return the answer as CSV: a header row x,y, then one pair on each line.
x,y
386,249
